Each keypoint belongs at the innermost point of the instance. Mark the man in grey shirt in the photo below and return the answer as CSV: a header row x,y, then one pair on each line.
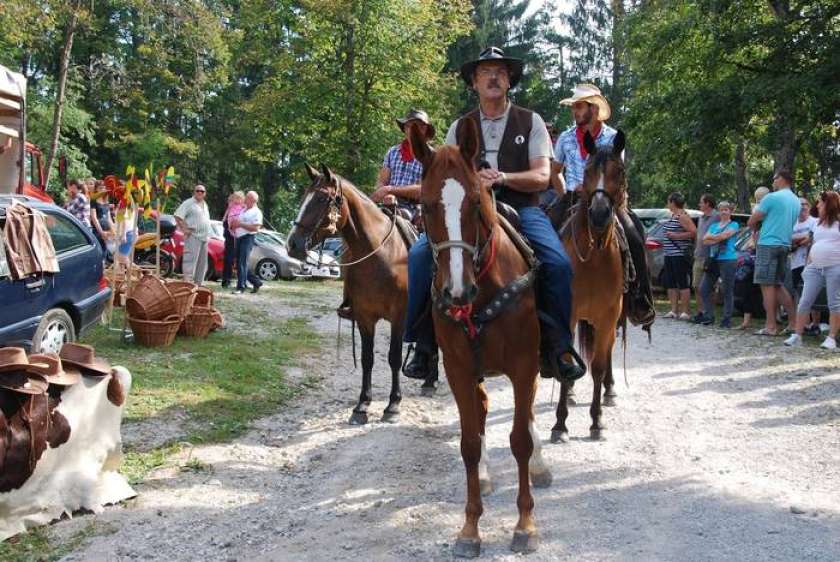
x,y
514,158
193,218
701,252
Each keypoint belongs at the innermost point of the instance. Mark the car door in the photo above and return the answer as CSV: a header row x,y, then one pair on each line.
x,y
79,262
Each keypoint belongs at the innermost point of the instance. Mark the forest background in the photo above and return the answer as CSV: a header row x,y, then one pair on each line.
x,y
714,95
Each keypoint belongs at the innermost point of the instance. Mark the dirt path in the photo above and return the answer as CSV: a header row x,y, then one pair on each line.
x,y
723,447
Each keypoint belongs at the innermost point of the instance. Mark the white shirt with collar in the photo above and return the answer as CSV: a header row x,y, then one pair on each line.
x,y
249,216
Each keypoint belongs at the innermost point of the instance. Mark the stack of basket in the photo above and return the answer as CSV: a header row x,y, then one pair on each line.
x,y
117,282
151,312
202,317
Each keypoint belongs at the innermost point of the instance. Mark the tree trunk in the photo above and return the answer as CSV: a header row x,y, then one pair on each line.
x,y
787,145
64,64
617,60
269,189
743,187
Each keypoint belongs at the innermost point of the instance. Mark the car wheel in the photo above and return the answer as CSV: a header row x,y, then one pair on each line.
x,y
167,265
268,270
55,329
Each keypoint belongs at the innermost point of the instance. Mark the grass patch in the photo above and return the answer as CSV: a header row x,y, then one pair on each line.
x,y
38,546
214,387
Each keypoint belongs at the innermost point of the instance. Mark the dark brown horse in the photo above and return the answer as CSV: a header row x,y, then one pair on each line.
x,y
486,323
377,282
591,238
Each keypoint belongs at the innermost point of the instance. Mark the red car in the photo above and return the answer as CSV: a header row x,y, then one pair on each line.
x,y
215,254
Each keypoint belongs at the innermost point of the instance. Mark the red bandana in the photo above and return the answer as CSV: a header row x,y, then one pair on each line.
x,y
580,132
405,151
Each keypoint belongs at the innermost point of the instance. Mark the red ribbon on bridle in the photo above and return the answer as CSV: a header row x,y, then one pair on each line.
x,y
463,313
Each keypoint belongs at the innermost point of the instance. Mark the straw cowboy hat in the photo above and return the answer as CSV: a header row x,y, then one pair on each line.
x,y
56,372
493,54
83,358
417,115
590,93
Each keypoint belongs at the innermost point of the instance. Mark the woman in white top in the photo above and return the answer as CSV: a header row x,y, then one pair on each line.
x,y
822,270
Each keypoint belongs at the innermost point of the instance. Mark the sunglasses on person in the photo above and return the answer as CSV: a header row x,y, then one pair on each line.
x,y
200,191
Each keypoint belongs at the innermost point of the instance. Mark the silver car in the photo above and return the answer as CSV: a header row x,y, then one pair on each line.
x,y
269,260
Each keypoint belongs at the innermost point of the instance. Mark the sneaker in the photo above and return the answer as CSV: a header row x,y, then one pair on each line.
x,y
684,316
812,330
698,318
238,291
708,320
670,314
725,324
795,340
829,344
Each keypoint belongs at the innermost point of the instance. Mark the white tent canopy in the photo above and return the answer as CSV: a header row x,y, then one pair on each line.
x,y
12,97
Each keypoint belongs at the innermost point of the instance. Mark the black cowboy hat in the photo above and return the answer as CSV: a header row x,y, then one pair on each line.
x,y
418,115
493,54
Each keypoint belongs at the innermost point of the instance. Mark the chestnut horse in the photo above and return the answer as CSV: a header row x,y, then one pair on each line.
x,y
377,282
592,243
486,323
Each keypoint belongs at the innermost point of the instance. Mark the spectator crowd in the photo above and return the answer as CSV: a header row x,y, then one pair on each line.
x,y
793,254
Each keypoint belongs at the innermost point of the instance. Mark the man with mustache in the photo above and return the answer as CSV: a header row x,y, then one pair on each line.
x,y
515,146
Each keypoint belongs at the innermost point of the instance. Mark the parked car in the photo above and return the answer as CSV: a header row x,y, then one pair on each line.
x,y
650,217
270,260
42,313
333,247
175,245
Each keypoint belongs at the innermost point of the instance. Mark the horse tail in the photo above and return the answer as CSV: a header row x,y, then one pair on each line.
x,y
586,340
623,323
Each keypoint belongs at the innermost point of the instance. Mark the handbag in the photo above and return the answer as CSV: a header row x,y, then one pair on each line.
x,y
710,265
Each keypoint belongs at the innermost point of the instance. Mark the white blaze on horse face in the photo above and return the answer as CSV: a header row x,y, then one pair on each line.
x,y
452,197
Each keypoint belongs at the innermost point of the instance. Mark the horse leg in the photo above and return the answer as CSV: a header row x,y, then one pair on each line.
x,y
360,412
525,538
392,412
484,483
540,473
570,395
609,385
604,340
560,433
462,383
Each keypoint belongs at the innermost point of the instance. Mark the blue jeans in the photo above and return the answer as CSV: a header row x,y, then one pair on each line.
x,y
554,280
726,272
244,244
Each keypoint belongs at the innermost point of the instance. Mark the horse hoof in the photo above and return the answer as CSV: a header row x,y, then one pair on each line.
x,y
542,479
597,435
391,417
524,542
359,418
485,486
559,436
467,548
427,391
609,401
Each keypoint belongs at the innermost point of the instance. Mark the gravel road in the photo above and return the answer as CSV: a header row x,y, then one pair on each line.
x,y
723,447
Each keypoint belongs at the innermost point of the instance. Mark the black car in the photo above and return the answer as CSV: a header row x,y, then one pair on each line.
x,y
42,312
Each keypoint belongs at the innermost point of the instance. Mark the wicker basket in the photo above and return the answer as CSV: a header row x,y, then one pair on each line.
x,y
183,294
218,320
155,333
198,322
150,299
204,297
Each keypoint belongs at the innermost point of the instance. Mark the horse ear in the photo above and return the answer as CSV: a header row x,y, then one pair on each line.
x,y
327,173
589,143
618,143
313,173
419,146
467,138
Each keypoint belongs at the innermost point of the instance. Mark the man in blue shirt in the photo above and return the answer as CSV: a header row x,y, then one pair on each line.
x,y
590,110
777,213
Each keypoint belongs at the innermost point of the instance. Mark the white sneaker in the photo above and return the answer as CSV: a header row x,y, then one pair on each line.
x,y
669,314
829,343
795,340
685,316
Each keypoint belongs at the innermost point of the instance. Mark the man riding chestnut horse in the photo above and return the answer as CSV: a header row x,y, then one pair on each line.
x,y
514,151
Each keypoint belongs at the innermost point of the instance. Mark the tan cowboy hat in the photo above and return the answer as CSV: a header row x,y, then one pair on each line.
x,y
56,372
590,93
417,115
22,382
83,358
14,359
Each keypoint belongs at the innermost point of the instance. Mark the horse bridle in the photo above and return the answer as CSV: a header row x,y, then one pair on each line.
x,y
476,251
332,210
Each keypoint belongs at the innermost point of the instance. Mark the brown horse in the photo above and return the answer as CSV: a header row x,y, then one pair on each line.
x,y
592,242
485,320
377,282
